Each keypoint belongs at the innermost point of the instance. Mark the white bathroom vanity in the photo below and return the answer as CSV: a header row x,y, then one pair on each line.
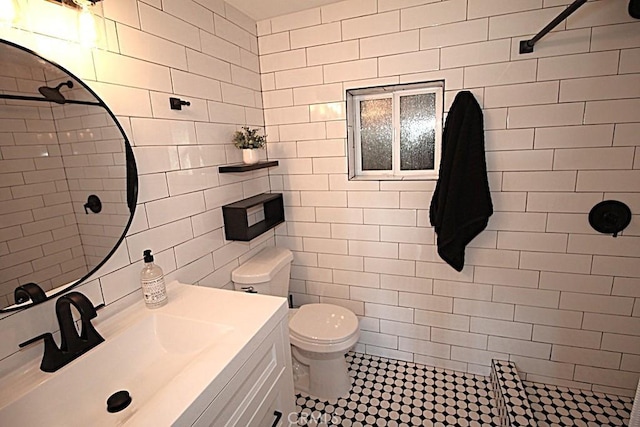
x,y
210,357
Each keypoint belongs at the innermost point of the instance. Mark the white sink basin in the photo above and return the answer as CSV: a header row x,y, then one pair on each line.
x,y
165,359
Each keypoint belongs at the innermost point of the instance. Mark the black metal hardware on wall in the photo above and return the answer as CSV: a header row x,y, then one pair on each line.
x,y
610,217
177,103
93,204
526,46
53,93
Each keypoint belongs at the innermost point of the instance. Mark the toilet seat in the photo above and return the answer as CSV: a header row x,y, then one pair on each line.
x,y
323,328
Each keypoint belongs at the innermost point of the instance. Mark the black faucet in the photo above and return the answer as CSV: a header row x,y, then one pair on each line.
x,y
72,345
29,291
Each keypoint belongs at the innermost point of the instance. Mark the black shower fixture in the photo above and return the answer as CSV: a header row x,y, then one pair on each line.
x,y
53,93
526,46
610,217
94,204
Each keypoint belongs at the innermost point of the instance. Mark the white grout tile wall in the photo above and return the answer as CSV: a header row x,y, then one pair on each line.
x,y
204,52
540,287
42,157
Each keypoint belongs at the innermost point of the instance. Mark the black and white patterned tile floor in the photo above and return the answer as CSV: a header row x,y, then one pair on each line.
x,y
555,406
387,392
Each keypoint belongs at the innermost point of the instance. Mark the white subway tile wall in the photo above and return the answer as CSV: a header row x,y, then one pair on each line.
x,y
53,157
540,286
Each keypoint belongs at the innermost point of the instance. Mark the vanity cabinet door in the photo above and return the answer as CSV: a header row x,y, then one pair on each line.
x,y
272,410
251,394
271,413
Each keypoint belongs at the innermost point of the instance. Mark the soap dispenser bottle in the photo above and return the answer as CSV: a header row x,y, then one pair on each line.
x,y
152,281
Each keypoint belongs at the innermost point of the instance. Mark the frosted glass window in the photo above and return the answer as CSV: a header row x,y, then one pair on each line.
x,y
417,131
395,132
376,133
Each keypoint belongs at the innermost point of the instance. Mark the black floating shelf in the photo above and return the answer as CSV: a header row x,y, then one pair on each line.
x,y
236,221
242,167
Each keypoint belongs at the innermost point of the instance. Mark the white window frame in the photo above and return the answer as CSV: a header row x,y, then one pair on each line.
x,y
394,93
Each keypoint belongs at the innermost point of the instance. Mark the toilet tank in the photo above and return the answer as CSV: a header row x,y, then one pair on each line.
x,y
267,272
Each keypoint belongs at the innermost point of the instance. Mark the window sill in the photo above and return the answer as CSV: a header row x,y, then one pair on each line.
x,y
394,178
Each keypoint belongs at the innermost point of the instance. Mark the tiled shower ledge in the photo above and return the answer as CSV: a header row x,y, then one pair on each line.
x,y
525,403
387,392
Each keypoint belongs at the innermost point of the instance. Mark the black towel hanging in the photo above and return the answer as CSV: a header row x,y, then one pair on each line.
x,y
461,204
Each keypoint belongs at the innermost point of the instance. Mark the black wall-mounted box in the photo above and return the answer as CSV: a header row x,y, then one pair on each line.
x,y
236,219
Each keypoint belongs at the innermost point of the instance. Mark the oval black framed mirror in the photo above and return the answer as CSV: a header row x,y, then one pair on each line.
x,y
68,179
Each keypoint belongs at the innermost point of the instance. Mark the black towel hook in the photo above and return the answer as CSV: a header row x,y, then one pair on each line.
x,y
177,103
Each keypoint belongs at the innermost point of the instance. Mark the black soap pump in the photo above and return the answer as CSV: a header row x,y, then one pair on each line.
x,y
152,281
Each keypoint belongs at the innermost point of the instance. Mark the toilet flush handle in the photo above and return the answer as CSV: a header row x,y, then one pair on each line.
x,y
249,290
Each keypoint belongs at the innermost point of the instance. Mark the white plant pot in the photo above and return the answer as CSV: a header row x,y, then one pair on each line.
x,y
250,156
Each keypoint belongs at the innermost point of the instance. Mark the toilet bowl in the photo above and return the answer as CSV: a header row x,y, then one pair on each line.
x,y
320,334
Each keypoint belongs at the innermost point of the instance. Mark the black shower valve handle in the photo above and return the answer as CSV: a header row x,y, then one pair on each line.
x,y
93,204
610,217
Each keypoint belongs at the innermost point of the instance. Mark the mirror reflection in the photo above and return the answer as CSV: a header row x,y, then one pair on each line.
x,y
68,182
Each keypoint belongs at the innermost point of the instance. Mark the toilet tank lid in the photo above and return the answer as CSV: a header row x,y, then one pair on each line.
x,y
263,267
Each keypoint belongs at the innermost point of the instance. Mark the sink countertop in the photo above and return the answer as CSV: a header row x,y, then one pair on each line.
x,y
248,318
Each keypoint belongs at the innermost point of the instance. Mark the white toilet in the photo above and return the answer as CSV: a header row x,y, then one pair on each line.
x,y
320,334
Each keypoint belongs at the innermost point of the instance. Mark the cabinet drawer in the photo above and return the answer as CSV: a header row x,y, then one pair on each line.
x,y
242,396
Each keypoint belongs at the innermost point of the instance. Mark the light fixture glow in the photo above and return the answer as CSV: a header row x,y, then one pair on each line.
x,y
87,32
8,13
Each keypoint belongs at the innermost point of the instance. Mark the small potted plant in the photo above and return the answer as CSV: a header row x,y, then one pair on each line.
x,y
249,141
